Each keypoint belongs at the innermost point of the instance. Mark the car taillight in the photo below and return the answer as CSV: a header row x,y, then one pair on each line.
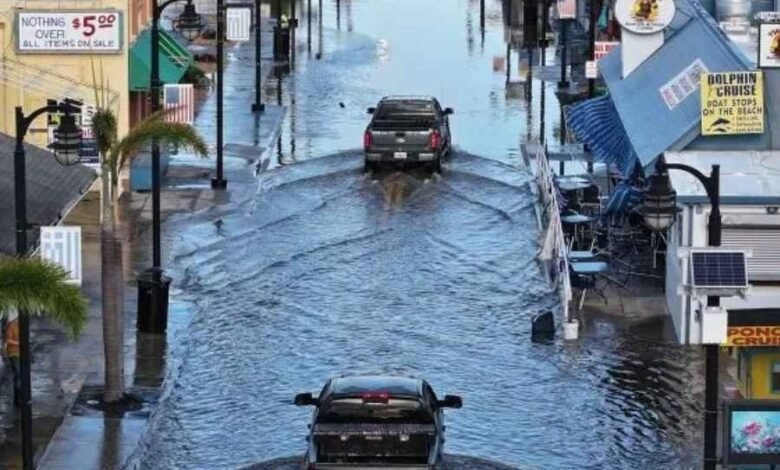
x,y
367,140
435,140
376,397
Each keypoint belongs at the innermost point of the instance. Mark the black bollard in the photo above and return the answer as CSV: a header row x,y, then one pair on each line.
x,y
543,327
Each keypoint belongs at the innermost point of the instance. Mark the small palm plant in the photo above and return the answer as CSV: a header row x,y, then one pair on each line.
x,y
115,154
34,286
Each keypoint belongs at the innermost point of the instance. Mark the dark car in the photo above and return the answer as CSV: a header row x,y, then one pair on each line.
x,y
376,422
407,129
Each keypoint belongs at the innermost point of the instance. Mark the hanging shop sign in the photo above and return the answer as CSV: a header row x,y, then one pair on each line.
x,y
644,16
753,336
751,432
567,9
769,45
602,48
683,85
69,32
732,103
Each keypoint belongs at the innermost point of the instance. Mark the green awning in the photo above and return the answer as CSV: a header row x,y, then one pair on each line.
x,y
175,59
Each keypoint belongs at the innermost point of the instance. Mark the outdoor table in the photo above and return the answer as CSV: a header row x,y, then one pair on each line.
x,y
589,268
576,220
572,185
578,256
571,179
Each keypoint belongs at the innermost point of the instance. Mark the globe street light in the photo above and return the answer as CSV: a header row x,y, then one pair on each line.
x,y
67,140
658,202
152,284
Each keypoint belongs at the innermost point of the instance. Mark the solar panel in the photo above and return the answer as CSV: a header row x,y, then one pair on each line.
x,y
719,269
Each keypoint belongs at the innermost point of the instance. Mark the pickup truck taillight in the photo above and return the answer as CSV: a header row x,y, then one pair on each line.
x,y
435,140
367,140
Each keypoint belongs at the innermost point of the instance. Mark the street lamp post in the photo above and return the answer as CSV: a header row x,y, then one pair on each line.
x,y
66,146
152,281
258,106
563,83
220,182
660,211
592,34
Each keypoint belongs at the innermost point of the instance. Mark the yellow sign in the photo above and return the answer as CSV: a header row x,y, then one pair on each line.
x,y
747,336
732,103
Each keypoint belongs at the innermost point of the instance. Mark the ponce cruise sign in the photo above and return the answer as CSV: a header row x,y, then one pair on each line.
x,y
75,32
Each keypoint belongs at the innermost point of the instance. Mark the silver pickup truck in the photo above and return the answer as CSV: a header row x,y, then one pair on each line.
x,y
407,129
377,423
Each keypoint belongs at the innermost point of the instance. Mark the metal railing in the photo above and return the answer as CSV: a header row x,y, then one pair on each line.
x,y
554,249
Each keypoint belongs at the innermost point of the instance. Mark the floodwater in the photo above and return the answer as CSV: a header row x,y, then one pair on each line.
x,y
326,271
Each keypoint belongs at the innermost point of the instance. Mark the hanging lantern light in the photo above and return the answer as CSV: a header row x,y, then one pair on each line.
x,y
660,207
67,141
190,23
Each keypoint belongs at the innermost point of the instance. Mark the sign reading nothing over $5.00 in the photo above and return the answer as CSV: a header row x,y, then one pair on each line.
x,y
79,32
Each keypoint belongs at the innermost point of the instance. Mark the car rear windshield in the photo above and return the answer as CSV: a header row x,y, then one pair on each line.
x,y
415,114
353,410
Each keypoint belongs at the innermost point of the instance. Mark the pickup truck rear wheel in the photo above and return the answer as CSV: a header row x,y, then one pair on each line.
x,y
369,167
435,166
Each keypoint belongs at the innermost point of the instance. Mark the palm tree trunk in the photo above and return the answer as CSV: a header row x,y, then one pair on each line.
x,y
112,290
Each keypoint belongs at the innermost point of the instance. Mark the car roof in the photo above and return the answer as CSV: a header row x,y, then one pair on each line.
x,y
408,98
359,384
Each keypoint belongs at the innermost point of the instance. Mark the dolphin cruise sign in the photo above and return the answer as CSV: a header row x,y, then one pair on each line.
x,y
73,31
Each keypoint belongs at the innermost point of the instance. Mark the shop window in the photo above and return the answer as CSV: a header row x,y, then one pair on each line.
x,y
776,377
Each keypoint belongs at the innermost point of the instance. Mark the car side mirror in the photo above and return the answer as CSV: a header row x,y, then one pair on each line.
x,y
451,401
449,111
305,399
370,110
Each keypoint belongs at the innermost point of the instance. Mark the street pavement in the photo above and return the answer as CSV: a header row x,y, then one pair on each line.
x,y
69,432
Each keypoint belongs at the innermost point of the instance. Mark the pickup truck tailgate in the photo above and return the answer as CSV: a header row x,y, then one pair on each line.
x,y
400,140
374,445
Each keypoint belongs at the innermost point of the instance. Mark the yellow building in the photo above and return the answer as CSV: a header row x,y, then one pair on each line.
x,y
756,335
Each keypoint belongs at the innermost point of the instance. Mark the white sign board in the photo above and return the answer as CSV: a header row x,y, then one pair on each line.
x,y
683,85
644,16
591,69
603,48
567,9
239,22
769,45
69,32
62,246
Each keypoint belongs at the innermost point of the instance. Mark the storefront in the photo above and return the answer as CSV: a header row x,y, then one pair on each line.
x,y
755,333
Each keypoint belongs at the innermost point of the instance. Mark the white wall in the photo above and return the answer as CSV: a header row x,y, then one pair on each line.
x,y
691,231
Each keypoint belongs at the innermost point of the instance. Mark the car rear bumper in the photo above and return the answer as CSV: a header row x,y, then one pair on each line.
x,y
411,157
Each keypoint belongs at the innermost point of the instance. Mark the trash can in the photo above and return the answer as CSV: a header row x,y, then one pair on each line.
x,y
152,317
281,43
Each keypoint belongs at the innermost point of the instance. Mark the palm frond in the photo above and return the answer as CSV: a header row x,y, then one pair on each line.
x,y
155,128
39,287
104,127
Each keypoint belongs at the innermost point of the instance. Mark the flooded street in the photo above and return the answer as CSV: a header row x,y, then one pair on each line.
x,y
326,271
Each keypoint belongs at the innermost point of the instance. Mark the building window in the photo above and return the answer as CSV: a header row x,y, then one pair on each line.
x,y
776,377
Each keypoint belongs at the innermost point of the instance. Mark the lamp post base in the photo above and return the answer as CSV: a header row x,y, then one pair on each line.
x,y
218,183
258,107
152,315
563,84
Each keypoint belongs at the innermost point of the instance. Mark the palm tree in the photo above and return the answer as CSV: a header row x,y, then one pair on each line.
x,y
34,286
114,155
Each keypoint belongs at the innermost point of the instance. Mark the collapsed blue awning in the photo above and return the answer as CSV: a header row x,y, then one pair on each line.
x,y
597,124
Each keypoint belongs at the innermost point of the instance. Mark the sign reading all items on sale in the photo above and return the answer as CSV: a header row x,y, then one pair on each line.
x,y
74,32
732,103
603,48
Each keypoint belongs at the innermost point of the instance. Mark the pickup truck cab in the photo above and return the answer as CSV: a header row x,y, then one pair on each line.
x,y
407,129
376,422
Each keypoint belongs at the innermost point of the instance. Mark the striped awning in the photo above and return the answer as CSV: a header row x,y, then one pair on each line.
x,y
596,123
